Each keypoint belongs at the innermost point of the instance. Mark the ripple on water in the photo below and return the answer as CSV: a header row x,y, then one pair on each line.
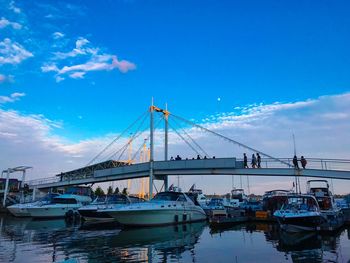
x,y
55,241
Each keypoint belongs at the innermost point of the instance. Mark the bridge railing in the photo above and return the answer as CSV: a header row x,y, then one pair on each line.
x,y
40,181
312,163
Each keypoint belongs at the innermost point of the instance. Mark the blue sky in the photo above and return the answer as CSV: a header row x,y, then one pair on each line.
x,y
91,67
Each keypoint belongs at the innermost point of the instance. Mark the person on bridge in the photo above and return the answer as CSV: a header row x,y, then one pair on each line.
x,y
198,157
253,161
303,162
295,162
245,161
178,158
259,160
171,158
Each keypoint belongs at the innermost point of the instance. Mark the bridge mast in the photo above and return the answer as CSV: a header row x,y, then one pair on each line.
x,y
151,159
166,116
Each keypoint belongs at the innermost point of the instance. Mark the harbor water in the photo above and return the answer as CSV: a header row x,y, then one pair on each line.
x,y
27,240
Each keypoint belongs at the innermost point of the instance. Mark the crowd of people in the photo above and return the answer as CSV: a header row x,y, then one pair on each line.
x,y
178,158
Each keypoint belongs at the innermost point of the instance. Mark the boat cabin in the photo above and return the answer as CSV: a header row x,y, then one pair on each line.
x,y
301,203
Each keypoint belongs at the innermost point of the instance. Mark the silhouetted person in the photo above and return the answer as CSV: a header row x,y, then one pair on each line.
x,y
178,158
213,157
253,161
295,162
171,158
205,157
258,159
245,161
198,157
303,162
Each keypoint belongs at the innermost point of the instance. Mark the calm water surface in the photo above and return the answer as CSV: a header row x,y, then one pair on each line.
x,y
26,240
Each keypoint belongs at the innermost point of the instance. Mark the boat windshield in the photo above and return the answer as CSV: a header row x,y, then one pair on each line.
x,y
169,196
117,199
300,203
48,197
64,201
100,200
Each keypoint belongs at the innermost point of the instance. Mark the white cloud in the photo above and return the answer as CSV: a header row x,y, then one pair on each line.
x,y
77,75
94,61
4,23
31,139
12,98
59,79
12,52
57,35
15,9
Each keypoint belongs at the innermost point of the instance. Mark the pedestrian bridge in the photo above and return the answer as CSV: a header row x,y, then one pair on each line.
x,y
322,168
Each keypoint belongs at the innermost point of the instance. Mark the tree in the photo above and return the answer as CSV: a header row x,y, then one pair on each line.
x,y
110,190
99,191
116,191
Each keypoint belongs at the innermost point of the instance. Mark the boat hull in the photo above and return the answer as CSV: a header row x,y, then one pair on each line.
x,y
157,217
92,215
302,223
18,211
52,211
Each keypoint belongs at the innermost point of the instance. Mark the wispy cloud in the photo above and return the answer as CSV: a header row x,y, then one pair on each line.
x,y
12,98
14,8
12,52
57,35
5,23
95,61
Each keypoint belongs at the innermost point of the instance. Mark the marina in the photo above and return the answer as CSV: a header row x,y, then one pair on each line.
x,y
61,241
174,131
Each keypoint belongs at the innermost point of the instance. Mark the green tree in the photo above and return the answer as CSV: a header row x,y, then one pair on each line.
x,y
110,190
116,191
99,191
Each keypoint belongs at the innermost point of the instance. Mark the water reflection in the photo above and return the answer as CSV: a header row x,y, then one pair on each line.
x,y
26,240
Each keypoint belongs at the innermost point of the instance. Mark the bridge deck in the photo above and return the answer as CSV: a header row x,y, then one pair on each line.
x,y
219,166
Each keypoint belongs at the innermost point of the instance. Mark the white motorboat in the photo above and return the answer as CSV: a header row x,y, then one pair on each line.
x,y
299,213
61,206
324,197
96,211
20,210
164,209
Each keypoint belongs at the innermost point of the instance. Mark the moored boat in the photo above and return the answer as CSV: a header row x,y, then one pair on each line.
x,y
21,210
299,213
96,211
164,209
61,206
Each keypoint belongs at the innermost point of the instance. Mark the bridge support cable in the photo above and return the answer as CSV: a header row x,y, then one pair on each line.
x,y
116,139
229,139
194,142
133,137
194,149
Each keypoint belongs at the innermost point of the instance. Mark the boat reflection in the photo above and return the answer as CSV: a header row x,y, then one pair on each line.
x,y
141,244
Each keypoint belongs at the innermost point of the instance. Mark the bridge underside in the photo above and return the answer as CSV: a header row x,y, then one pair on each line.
x,y
213,167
